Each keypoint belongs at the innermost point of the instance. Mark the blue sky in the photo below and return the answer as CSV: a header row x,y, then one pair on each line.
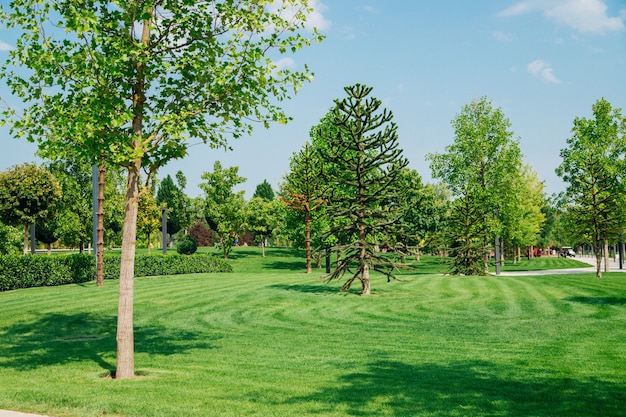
x,y
543,62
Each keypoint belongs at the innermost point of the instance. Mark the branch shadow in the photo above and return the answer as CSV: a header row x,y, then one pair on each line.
x,y
308,288
64,338
476,388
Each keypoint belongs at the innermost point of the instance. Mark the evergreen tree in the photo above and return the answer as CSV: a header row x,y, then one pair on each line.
x,y
366,200
170,196
264,191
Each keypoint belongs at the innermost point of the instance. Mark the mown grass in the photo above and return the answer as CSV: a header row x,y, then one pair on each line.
x,y
270,340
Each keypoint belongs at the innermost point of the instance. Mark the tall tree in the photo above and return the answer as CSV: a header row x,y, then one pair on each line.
x,y
480,168
263,217
148,215
28,194
368,162
224,208
305,191
264,191
171,197
132,80
593,168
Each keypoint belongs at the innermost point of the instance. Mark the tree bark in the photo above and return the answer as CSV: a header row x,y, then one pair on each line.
x,y
606,255
365,280
100,227
125,334
25,239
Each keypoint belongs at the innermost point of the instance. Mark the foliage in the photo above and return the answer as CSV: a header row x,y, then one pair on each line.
x,y
593,168
11,240
171,196
264,191
263,217
367,205
481,168
200,233
224,208
37,271
186,246
131,81
28,194
148,215
305,190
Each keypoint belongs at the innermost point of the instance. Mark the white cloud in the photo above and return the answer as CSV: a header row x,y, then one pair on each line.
x,y
314,18
5,46
541,69
586,16
284,63
502,37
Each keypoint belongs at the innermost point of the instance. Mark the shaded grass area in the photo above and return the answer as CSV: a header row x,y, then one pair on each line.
x,y
543,263
272,341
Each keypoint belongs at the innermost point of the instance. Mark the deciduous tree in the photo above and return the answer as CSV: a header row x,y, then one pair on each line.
x,y
28,194
593,167
133,80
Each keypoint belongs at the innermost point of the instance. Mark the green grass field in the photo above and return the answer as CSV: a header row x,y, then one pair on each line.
x,y
270,340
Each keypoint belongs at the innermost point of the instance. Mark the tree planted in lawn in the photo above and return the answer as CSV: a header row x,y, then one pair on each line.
x,y
133,80
593,168
367,201
28,194
481,168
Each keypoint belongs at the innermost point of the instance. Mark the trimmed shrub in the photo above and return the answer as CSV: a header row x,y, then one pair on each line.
x,y
37,271
187,246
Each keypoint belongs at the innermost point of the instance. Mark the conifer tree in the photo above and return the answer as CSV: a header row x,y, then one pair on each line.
x,y
365,203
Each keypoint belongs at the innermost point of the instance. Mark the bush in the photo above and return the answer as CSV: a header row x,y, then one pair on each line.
x,y
37,271
187,246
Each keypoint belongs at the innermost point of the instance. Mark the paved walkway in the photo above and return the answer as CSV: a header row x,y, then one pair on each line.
x,y
7,413
613,267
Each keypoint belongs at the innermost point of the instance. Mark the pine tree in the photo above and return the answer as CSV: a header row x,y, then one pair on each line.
x,y
364,205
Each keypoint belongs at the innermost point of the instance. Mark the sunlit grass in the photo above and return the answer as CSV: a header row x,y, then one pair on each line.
x,y
270,340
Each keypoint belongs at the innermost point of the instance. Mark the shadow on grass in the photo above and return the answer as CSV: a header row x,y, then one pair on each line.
x,y
614,301
309,288
64,338
394,388
286,265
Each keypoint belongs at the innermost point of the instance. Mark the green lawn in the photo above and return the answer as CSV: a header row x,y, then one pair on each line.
x,y
270,340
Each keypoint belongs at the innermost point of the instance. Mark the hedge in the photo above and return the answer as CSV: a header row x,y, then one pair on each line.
x,y
38,271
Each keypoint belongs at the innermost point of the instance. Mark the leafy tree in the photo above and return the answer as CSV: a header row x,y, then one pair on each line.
x,y
264,191
132,80
480,168
263,218
593,168
10,240
45,233
28,194
305,191
201,234
368,162
224,208
148,215
170,196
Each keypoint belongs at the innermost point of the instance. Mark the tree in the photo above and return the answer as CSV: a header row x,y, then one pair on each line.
x,y
263,218
148,215
171,196
480,168
45,233
132,80
11,241
368,162
224,208
28,194
305,190
264,191
593,168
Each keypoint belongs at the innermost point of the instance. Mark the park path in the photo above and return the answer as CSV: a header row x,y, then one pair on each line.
x,y
7,413
590,260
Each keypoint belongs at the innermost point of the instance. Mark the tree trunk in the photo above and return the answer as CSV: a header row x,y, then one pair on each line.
x,y
307,240
607,267
125,334
598,253
49,246
25,239
100,227
365,280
